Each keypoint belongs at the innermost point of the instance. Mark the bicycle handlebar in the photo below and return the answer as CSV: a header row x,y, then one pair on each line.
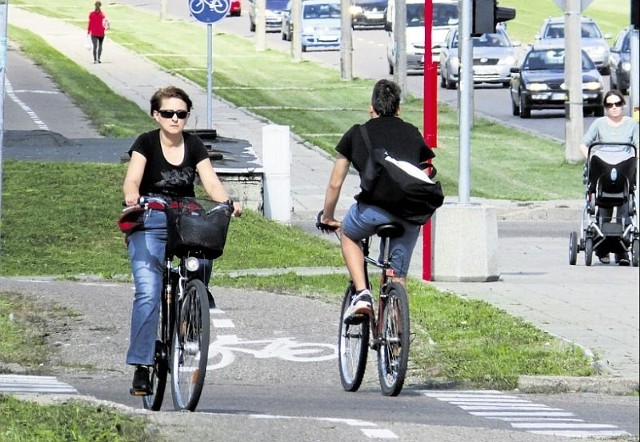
x,y
325,228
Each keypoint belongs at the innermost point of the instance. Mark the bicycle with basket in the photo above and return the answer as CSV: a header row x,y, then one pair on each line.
x,y
387,330
196,230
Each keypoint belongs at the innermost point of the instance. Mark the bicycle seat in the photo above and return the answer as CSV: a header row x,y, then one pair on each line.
x,y
391,230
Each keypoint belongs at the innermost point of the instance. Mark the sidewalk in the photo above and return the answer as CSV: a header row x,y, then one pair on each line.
x,y
536,283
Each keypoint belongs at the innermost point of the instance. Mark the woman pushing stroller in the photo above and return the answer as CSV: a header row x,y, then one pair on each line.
x,y
614,127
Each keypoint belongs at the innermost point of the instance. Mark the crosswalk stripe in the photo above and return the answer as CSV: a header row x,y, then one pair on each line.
x,y
34,384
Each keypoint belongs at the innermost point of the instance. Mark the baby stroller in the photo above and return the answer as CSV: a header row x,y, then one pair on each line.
x,y
610,179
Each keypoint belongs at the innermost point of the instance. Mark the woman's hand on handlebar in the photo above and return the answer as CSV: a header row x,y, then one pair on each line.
x,y
132,199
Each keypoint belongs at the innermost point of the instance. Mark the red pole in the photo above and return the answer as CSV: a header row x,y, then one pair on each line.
x,y
430,121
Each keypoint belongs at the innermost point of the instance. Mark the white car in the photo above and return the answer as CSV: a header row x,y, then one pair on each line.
x,y
493,56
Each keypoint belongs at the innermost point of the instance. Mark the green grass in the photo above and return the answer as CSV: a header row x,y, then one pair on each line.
x,y
72,421
319,106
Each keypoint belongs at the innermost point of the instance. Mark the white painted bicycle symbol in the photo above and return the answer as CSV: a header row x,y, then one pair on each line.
x,y
219,6
221,351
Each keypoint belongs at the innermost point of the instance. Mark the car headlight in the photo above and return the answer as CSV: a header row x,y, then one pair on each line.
x,y
626,66
537,87
356,10
598,50
591,86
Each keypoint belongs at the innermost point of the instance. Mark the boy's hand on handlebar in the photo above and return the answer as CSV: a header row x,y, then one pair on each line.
x,y
326,224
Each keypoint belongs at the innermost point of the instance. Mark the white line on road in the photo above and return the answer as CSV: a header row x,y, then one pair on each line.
x,y
32,115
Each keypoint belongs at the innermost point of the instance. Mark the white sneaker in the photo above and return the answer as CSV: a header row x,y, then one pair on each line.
x,y
361,307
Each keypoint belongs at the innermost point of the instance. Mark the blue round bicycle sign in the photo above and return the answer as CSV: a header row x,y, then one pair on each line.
x,y
209,11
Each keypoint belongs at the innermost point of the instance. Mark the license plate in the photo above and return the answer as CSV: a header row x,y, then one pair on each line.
x,y
558,96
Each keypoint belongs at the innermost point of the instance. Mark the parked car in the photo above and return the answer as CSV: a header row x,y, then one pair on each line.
x,y
235,9
537,82
272,14
592,41
320,23
369,14
620,62
493,56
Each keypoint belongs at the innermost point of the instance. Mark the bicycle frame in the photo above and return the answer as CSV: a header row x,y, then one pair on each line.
x,y
386,272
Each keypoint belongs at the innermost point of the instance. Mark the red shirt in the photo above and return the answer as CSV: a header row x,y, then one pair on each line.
x,y
96,25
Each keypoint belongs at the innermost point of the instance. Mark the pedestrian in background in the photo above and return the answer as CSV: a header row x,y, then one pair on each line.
x,y
96,28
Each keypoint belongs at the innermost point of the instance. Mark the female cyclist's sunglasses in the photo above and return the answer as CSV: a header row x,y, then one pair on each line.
x,y
181,114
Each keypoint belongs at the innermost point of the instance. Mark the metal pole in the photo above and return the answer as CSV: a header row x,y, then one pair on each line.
x,y
466,90
400,41
573,76
4,9
209,75
430,121
346,41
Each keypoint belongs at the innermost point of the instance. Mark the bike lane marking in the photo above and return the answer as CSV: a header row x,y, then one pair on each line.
x,y
523,414
17,384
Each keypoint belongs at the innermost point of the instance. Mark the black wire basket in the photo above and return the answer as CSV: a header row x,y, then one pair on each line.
x,y
197,227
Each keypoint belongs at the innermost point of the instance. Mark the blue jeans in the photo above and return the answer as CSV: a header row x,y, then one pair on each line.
x,y
146,254
361,221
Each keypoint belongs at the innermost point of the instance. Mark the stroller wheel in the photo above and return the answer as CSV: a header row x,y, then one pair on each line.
x,y
588,251
573,248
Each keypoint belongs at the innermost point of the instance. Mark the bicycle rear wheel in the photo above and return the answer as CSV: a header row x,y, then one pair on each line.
x,y
190,348
353,346
158,372
393,353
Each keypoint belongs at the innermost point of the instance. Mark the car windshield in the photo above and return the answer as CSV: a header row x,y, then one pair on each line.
x,y
415,15
587,30
444,14
497,40
324,10
552,59
276,5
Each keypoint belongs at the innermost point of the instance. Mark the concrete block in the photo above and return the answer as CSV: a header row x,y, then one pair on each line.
x,y
465,243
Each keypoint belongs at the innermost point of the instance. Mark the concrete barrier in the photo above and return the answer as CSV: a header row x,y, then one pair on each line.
x,y
465,243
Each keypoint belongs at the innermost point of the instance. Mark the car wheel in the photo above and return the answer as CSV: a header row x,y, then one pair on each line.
x,y
304,48
450,84
515,110
443,82
525,111
506,84
612,81
284,37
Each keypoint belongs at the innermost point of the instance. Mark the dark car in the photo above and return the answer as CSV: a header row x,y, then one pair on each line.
x,y
620,62
272,14
537,82
368,14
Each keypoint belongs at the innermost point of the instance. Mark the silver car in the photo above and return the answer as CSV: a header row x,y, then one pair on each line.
x,y
592,41
493,56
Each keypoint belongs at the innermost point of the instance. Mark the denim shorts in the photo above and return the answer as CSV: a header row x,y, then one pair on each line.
x,y
361,221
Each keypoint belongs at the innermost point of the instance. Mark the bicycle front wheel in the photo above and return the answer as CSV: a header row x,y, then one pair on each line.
x,y
353,346
190,348
393,353
158,372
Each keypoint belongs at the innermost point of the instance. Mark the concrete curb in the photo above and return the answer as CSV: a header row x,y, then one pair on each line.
x,y
563,384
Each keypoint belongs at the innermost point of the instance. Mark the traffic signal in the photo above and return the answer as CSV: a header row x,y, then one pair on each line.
x,y
487,14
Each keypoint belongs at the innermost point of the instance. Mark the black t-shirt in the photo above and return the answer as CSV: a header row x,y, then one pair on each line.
x,y
163,178
400,139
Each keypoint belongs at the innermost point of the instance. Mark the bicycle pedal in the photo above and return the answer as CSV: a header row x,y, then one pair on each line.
x,y
134,392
